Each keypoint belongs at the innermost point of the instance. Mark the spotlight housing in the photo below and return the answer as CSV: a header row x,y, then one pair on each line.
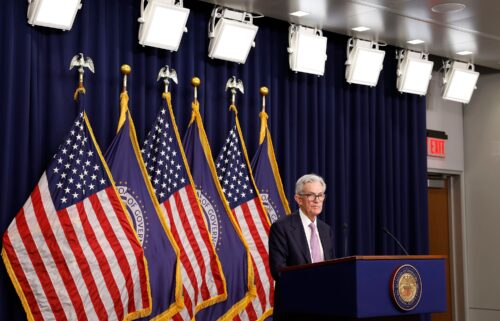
x,y
162,24
364,62
57,14
414,71
232,34
307,50
459,81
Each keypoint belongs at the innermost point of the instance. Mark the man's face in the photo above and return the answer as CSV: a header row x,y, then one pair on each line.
x,y
308,203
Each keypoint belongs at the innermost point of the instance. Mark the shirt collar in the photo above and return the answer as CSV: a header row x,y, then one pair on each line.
x,y
305,220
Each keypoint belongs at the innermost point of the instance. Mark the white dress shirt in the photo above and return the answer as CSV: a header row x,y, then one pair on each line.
x,y
305,223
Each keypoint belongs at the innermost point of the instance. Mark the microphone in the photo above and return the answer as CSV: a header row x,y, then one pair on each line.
x,y
345,239
395,240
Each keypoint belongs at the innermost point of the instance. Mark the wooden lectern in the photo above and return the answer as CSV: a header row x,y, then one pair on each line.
x,y
357,287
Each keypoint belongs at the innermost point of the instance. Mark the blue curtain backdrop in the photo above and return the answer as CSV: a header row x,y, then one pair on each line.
x,y
368,143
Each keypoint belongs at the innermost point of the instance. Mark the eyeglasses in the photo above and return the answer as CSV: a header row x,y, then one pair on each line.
x,y
312,197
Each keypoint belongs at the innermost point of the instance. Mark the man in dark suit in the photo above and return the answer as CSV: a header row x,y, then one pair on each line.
x,y
301,238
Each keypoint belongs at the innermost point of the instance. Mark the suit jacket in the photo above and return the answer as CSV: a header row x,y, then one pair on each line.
x,y
288,243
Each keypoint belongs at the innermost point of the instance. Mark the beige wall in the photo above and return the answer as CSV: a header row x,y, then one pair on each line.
x,y
473,152
445,115
482,199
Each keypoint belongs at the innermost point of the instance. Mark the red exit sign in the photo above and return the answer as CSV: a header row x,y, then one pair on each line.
x,y
435,147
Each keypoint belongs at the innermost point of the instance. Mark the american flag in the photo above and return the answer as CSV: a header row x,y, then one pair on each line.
x,y
71,251
202,278
238,185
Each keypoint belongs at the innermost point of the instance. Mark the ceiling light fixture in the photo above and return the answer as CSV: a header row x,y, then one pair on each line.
x,y
58,14
415,42
232,34
414,71
464,53
450,7
360,29
459,81
307,50
162,24
364,62
299,13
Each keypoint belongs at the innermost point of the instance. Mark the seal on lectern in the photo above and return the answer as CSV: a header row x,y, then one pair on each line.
x,y
406,287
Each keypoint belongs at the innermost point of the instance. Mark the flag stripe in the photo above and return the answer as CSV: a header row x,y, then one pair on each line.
x,y
34,211
85,270
256,225
260,307
250,313
177,317
38,266
106,202
118,257
183,315
137,265
257,306
100,255
187,196
188,302
188,228
202,227
250,219
189,279
60,232
18,269
187,257
83,242
57,259
193,236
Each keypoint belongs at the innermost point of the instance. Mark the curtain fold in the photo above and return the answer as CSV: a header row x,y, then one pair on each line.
x,y
368,143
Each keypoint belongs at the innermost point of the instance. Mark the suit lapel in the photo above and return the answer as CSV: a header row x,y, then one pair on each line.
x,y
325,240
300,236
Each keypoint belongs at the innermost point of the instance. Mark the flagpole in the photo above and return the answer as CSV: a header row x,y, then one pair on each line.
x,y
264,92
81,62
166,73
235,85
263,115
195,81
125,70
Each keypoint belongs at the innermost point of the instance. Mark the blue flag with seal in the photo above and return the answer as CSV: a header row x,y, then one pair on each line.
x,y
267,174
127,167
227,238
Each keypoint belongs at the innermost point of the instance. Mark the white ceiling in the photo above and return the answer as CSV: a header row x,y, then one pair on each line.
x,y
476,28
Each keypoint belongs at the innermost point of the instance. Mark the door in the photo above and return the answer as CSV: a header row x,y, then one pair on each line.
x,y
439,231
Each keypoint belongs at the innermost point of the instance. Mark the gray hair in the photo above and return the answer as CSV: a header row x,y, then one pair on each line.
x,y
308,178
